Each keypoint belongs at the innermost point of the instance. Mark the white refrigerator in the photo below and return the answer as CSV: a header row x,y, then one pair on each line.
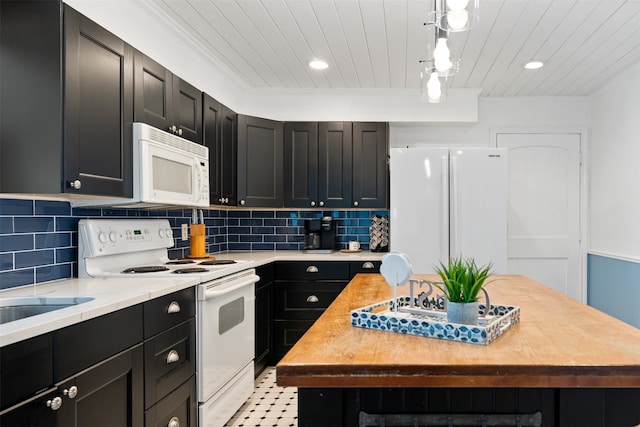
x,y
447,203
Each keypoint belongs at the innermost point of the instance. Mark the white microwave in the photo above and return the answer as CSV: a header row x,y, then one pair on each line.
x,y
168,170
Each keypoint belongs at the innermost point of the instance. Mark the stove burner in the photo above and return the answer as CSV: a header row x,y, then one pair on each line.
x,y
218,262
146,269
190,270
180,261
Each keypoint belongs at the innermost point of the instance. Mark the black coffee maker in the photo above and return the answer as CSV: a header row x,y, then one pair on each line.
x,y
320,235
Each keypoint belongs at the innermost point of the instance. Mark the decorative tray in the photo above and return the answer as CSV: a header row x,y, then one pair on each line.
x,y
433,323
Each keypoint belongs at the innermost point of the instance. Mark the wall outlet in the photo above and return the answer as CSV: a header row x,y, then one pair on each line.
x,y
185,231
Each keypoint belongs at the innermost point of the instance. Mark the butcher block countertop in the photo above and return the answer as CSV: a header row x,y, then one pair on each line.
x,y
559,342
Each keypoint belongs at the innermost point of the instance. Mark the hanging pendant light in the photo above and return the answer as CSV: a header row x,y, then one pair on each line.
x,y
457,15
433,86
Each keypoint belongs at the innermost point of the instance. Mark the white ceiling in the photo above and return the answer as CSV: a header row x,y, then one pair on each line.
x,y
378,43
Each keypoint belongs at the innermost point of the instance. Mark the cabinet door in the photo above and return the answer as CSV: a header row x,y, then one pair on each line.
x,y
153,93
260,173
35,412
220,136
300,164
370,171
97,108
106,395
187,110
228,164
334,164
264,318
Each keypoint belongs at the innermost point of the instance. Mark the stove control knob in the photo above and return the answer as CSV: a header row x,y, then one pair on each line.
x,y
102,236
112,236
162,233
169,233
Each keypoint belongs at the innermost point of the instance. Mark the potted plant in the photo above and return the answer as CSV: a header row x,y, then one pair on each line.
x,y
462,281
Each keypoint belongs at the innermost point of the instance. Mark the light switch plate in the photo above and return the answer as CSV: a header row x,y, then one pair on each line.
x,y
185,231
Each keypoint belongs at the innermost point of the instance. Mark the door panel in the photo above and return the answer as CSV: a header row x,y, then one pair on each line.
x,y
544,209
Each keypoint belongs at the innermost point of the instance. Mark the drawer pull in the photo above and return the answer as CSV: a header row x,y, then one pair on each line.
x,y
312,298
174,422
368,265
71,392
172,357
174,307
312,269
55,403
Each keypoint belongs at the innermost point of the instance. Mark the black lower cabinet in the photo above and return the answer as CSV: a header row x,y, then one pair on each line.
x,y
34,412
546,407
106,395
263,352
178,409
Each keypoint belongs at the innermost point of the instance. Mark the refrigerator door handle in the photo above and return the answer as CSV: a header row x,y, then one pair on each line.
x,y
454,224
444,210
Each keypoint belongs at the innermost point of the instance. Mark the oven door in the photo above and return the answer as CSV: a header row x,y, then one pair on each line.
x,y
225,313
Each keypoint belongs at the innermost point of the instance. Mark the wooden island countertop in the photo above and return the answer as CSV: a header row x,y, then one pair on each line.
x,y
559,342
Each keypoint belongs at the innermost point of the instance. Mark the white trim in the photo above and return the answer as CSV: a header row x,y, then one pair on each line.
x,y
615,256
583,131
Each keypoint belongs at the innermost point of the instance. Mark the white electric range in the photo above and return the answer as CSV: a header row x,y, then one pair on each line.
x,y
225,306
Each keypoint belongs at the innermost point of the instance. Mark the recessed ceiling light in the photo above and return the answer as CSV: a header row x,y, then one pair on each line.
x,y
318,64
533,65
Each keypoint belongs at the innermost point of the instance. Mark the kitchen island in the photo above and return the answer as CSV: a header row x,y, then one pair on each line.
x,y
563,364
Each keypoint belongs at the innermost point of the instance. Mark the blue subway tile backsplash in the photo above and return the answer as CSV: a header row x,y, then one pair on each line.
x,y
39,239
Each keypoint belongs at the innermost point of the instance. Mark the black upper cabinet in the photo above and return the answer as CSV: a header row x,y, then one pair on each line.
x,y
165,101
317,162
67,103
260,172
370,173
336,165
221,137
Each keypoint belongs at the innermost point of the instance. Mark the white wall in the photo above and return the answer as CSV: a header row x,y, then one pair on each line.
x,y
525,113
615,168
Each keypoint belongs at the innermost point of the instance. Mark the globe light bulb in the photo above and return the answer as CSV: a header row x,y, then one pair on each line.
x,y
441,55
457,4
434,87
457,19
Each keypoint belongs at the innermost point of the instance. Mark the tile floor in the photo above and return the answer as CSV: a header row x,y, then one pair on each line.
x,y
269,405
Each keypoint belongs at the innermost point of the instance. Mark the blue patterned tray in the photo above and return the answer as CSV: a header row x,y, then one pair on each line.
x,y
433,323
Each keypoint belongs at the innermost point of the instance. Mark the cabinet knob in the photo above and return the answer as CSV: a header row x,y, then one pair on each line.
x,y
174,307
355,204
312,298
76,184
172,129
313,203
55,403
225,200
312,269
368,265
241,202
179,132
71,392
172,357
321,203
174,422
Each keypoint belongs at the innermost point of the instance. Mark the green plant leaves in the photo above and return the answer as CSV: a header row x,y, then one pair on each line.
x,y
462,279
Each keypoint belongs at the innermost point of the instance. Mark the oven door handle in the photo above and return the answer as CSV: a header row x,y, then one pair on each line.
x,y
215,292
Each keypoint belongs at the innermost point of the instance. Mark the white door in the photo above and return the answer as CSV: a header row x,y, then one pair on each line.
x,y
544,209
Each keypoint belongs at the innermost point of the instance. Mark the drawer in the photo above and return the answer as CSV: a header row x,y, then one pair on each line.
x,y
84,344
26,368
168,311
312,270
169,360
180,408
286,334
356,267
304,300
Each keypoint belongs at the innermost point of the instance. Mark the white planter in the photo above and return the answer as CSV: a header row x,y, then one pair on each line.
x,y
463,313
